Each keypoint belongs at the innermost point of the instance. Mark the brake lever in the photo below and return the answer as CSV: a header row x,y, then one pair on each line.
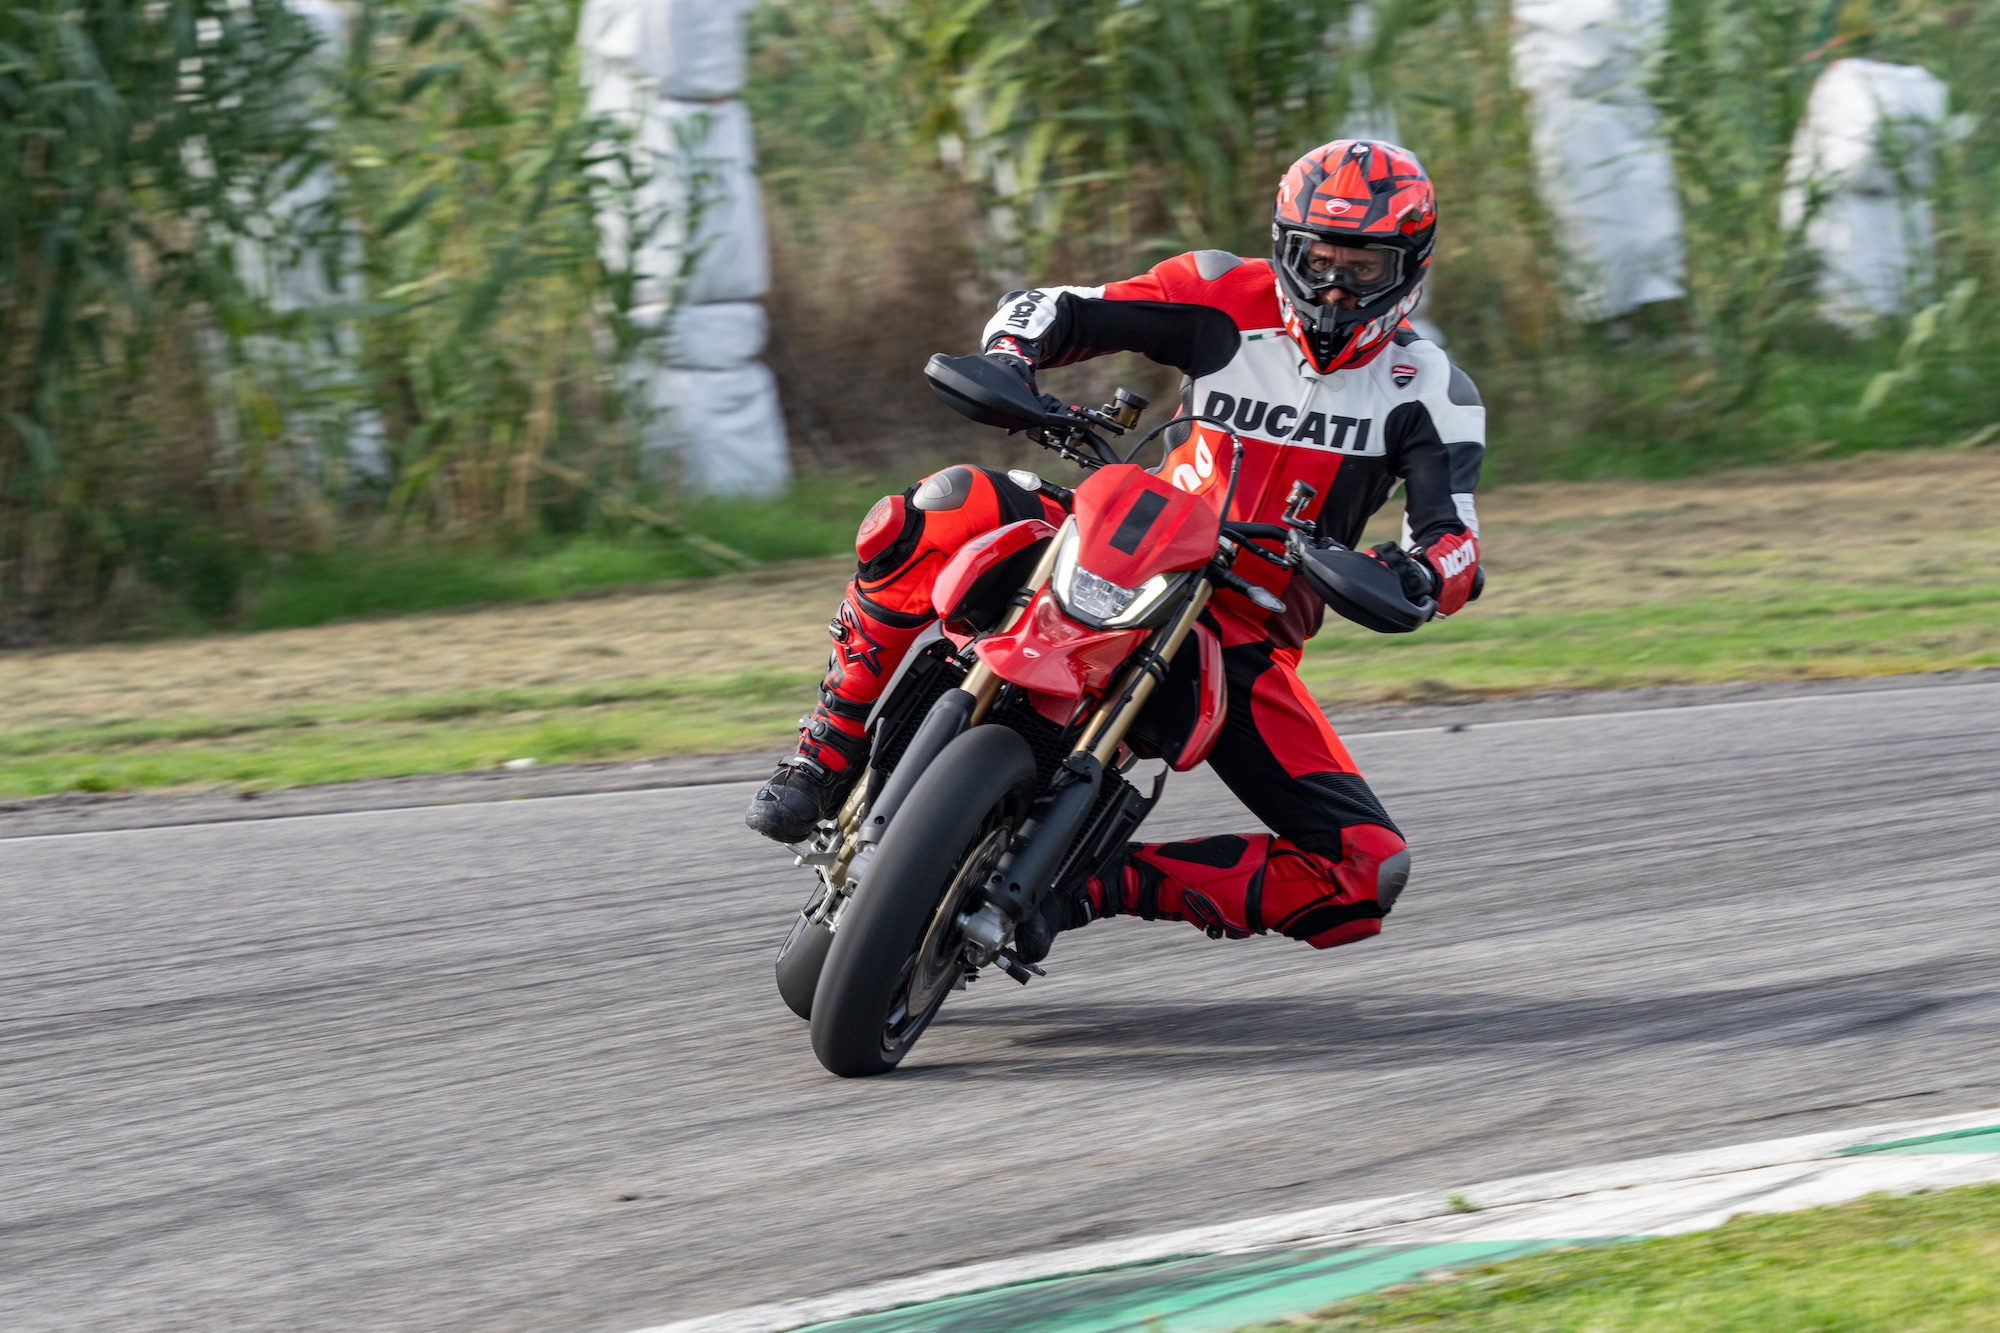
x,y
1282,559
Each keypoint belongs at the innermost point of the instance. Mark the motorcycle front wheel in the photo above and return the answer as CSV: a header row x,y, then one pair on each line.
x,y
896,954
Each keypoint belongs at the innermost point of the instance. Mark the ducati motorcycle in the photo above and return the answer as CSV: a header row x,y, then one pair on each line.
x,y
999,755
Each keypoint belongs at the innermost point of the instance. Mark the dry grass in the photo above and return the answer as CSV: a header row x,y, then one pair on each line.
x,y
707,628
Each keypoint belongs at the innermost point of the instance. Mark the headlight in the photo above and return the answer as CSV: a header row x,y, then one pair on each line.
x,y
1099,602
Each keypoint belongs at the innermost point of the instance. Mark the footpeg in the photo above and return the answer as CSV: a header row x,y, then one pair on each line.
x,y
1017,969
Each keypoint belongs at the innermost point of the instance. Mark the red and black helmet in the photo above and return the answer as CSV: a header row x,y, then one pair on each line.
x,y
1373,201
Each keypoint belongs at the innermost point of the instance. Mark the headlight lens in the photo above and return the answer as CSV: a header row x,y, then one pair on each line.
x,y
1098,601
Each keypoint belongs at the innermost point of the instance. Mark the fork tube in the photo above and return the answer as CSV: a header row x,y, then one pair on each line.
x,y
982,682
1101,739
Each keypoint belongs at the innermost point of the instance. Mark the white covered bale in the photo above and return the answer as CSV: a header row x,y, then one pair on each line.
x,y
1861,161
700,212
1601,159
694,235
725,428
716,337
690,50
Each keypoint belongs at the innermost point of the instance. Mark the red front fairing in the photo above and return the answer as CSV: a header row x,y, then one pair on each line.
x,y
1132,525
1051,654
975,585
1213,708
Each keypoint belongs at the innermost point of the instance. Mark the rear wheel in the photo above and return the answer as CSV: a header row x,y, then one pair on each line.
x,y
896,954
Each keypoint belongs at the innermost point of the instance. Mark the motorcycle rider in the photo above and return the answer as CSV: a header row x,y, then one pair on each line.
x,y
1309,358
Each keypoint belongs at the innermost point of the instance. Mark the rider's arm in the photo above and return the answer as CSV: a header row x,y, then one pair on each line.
x,y
1437,445
1151,314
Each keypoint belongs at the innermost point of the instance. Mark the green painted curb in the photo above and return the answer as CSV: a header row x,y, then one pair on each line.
x,y
1959,1140
1195,1295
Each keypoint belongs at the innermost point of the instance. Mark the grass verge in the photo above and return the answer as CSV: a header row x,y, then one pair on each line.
x,y
817,518
415,734
1867,566
1900,1265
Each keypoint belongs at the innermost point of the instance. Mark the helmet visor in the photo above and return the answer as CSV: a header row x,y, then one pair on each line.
x,y
1316,264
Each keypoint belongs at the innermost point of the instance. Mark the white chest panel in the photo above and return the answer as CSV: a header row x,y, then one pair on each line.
x,y
1267,395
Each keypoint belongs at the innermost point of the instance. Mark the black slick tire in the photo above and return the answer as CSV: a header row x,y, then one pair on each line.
x,y
967,804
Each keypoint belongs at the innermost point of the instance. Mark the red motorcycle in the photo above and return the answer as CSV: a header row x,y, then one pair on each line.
x,y
998,756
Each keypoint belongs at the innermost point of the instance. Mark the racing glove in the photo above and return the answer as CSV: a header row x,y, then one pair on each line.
x,y
1455,561
1017,356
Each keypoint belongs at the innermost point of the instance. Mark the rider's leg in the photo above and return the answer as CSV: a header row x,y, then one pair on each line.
x,y
1335,864
904,543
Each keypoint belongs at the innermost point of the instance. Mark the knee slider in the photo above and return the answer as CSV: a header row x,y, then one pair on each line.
x,y
1391,877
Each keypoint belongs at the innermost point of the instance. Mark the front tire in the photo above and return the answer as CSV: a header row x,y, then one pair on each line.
x,y
895,956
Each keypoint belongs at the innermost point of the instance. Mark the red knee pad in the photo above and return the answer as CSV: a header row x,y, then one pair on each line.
x,y
1328,903
881,527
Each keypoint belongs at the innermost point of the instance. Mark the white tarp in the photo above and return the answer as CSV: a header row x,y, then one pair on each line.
x,y
699,159
725,427
694,234
1603,164
716,337
690,50
1860,164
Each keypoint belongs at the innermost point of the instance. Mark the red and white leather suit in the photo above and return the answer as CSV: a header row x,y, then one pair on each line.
x,y
1333,863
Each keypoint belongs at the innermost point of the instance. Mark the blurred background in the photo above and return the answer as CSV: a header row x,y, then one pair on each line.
x,y
316,309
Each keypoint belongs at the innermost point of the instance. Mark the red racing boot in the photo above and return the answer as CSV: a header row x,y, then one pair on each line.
x,y
809,786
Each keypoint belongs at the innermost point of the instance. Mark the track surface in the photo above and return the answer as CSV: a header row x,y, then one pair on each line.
x,y
520,1066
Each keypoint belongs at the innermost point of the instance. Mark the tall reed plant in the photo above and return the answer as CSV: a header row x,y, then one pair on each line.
x,y
137,139
475,173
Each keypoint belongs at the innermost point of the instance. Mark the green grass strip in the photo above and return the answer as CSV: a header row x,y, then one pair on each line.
x,y
1787,631
1926,1263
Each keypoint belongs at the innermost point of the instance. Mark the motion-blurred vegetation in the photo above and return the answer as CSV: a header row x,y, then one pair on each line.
x,y
275,297
186,440
1079,142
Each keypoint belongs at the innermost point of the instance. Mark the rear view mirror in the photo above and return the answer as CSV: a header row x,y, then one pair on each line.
x,y
985,391
1361,588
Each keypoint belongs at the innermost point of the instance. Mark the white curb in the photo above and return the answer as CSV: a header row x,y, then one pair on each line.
x,y
1651,1196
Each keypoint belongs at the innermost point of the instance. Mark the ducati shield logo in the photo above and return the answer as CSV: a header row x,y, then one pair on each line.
x,y
1402,375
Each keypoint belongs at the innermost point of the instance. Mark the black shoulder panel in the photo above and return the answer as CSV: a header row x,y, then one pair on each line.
x,y
1403,337
1463,391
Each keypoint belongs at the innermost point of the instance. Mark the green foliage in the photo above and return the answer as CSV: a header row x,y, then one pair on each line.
x,y
310,589
1092,137
229,250
136,141
1105,131
468,153
175,424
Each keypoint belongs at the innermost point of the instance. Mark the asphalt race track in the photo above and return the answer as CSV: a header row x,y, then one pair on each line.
x,y
521,1065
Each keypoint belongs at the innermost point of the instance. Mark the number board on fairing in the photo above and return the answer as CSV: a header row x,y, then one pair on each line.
x,y
1138,521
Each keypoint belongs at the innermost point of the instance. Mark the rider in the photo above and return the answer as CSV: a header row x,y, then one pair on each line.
x,y
1309,358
